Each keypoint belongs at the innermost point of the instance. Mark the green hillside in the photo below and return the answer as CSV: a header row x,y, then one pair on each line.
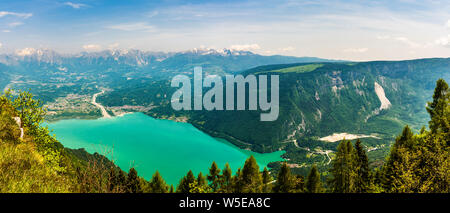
x,y
36,162
33,161
316,100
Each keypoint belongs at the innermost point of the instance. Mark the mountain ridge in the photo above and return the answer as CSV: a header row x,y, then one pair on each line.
x,y
316,103
317,99
51,56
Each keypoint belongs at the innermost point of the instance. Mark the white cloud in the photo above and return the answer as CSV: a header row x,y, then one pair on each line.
x,y
92,47
356,50
448,23
139,26
25,51
113,46
20,15
75,5
1,45
444,41
288,49
246,47
15,24
408,42
383,37
152,14
405,40
6,31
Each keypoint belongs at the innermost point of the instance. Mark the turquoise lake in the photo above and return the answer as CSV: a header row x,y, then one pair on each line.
x,y
148,144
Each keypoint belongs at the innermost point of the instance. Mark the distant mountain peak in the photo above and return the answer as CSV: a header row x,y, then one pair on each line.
x,y
34,52
135,57
212,51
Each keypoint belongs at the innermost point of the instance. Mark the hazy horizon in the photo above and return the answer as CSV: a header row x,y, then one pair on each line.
x,y
343,30
30,51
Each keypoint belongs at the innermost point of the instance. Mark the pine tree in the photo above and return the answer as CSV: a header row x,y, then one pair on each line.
x,y
284,183
213,177
398,164
432,152
200,185
439,109
431,164
266,180
313,182
343,169
186,182
299,184
133,184
376,185
201,181
251,180
171,189
351,173
226,180
157,184
182,186
362,178
420,163
237,183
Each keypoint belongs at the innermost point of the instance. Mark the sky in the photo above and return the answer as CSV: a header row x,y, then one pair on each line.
x,y
334,29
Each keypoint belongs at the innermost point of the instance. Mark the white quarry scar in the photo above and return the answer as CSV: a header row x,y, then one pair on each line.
x,y
341,136
385,103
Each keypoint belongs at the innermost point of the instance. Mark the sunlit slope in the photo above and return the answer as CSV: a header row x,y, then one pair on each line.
x,y
32,161
316,100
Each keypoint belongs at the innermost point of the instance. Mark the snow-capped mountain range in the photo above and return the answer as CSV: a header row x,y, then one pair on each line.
x,y
133,56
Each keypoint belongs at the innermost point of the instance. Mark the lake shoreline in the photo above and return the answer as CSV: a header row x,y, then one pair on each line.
x,y
149,144
180,119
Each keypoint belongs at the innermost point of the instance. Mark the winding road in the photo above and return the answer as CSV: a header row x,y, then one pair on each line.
x,y
104,112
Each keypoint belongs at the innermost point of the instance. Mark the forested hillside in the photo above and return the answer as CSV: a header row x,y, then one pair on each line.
x,y
321,102
316,100
36,162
